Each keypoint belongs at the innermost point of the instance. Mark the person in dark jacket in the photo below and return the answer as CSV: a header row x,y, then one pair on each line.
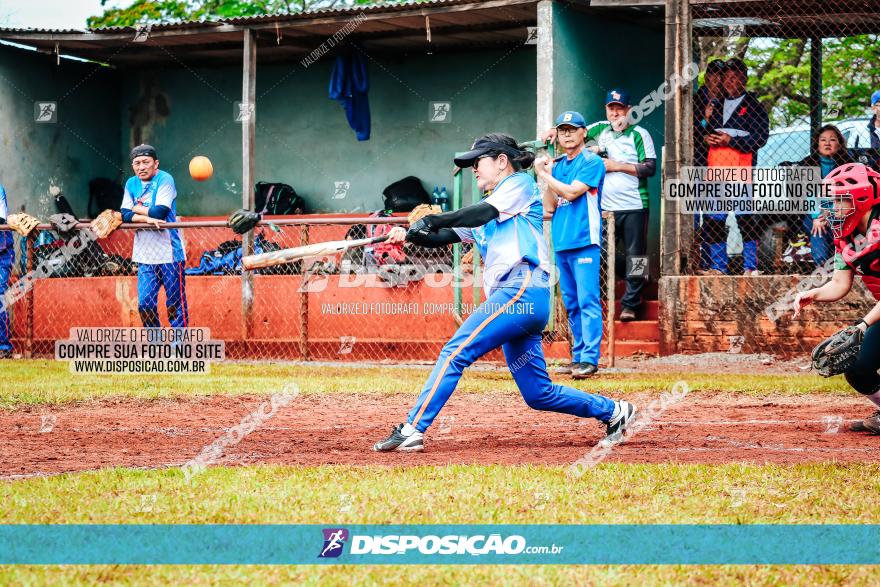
x,y
738,130
707,99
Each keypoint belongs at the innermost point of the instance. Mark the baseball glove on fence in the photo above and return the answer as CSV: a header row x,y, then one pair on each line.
x,y
22,223
106,222
63,223
421,211
418,222
242,221
837,353
467,261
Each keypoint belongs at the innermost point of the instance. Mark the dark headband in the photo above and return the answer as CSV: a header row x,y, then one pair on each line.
x,y
143,151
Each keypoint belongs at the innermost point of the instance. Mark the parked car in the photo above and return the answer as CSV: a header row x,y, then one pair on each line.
x,y
792,143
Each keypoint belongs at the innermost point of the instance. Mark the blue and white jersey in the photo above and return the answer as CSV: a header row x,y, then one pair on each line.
x,y
517,235
7,244
4,205
155,247
578,224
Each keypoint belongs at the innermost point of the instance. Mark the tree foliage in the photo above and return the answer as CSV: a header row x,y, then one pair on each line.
x,y
161,11
780,74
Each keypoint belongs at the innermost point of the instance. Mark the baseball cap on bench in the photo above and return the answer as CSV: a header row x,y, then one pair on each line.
x,y
617,96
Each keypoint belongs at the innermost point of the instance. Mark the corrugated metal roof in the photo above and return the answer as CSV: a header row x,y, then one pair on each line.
x,y
389,7
45,31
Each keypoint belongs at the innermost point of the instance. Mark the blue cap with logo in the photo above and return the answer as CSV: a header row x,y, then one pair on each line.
x,y
875,97
571,118
617,96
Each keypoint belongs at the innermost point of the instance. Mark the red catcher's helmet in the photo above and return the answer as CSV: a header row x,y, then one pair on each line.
x,y
855,189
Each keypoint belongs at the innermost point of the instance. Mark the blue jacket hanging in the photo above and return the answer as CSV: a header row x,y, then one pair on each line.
x,y
349,85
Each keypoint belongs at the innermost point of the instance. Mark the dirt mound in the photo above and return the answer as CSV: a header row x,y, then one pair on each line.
x,y
473,428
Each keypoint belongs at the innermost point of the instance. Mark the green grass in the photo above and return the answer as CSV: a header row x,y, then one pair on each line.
x,y
611,493
38,382
428,576
607,494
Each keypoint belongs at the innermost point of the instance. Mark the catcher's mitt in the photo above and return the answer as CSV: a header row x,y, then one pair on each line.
x,y
105,223
837,353
63,223
242,221
22,223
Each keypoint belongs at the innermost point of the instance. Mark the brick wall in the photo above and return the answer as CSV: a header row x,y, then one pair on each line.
x,y
733,314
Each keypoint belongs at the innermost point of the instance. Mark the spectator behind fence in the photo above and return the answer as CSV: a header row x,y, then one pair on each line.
x,y
738,129
628,153
709,97
7,258
150,197
571,199
707,100
828,150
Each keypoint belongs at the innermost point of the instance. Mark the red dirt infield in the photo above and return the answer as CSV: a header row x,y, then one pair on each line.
x,y
472,429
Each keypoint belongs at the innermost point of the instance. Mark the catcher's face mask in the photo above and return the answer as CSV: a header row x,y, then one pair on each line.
x,y
837,209
854,189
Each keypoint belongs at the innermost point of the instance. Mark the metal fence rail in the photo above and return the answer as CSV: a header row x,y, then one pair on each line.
x,y
368,304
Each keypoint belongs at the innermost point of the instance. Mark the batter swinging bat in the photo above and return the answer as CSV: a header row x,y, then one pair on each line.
x,y
317,250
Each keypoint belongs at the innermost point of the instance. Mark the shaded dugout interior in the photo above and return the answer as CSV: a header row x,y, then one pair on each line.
x,y
179,89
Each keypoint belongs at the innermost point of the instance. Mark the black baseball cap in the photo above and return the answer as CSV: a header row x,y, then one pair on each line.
x,y
484,148
716,66
143,151
736,64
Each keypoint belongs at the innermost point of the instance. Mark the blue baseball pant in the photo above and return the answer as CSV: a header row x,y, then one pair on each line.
x,y
821,247
151,278
513,318
579,283
5,327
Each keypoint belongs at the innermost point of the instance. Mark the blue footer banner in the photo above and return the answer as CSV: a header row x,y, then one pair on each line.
x,y
439,544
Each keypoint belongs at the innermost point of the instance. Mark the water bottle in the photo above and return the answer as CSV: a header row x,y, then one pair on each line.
x,y
435,197
444,200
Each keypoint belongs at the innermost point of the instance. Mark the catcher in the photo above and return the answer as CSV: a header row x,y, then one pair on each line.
x,y
853,213
150,197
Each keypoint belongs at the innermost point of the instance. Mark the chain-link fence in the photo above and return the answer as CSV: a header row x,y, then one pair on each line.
x,y
379,303
782,84
784,91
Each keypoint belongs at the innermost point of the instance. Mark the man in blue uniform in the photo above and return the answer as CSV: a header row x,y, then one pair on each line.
x,y
572,199
150,197
7,258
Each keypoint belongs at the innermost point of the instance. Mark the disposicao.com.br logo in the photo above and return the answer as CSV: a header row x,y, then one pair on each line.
x,y
394,544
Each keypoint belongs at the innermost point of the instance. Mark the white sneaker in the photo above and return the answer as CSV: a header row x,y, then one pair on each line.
x,y
397,441
623,416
